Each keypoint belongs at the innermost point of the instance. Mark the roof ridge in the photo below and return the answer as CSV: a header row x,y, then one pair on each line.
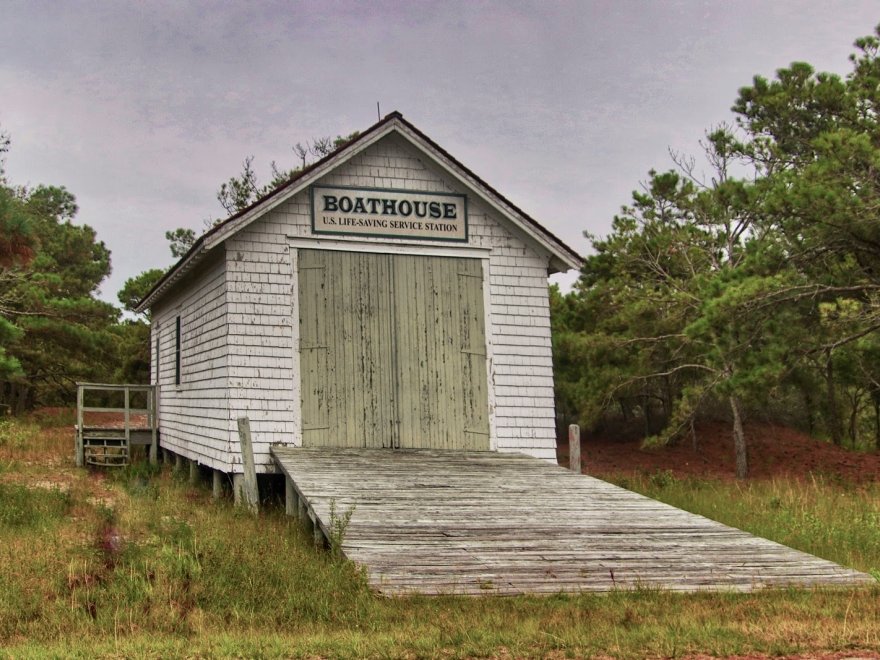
x,y
387,119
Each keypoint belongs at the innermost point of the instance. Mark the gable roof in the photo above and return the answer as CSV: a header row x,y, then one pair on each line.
x,y
562,256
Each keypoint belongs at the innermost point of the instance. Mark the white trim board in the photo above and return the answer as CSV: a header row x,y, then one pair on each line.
x,y
429,250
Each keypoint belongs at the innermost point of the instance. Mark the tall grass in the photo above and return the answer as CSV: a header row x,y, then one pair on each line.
x,y
826,517
140,563
22,507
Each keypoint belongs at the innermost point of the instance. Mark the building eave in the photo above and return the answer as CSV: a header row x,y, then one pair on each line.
x,y
562,257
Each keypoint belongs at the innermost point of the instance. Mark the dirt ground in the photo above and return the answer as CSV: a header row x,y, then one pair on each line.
x,y
773,451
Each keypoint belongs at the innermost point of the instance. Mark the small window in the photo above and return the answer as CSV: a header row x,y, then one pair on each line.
x,y
177,354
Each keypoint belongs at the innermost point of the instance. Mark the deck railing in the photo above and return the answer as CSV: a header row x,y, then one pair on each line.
x,y
108,444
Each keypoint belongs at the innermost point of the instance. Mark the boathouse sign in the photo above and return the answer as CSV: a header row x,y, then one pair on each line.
x,y
389,213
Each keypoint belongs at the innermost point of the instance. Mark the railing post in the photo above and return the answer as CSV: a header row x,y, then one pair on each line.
x,y
79,449
127,400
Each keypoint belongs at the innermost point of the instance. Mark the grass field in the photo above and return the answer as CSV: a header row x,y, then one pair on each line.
x,y
139,563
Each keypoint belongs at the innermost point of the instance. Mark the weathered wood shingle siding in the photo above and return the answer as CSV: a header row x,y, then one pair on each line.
x,y
194,416
263,377
262,381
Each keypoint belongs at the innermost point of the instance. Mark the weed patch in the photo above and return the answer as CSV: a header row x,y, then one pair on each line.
x,y
22,507
16,435
338,527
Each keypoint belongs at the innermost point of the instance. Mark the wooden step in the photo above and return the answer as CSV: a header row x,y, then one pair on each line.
x,y
106,455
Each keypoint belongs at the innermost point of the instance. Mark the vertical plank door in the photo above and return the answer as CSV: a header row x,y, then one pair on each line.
x,y
440,352
345,350
392,351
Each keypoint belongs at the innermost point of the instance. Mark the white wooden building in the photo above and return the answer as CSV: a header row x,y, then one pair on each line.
x,y
384,297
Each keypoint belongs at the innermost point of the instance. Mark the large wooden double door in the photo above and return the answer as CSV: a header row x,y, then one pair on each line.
x,y
392,351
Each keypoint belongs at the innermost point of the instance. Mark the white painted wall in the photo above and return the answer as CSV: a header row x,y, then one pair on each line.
x,y
239,315
263,382
194,416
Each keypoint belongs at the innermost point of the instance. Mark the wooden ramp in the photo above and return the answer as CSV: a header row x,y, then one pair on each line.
x,y
487,523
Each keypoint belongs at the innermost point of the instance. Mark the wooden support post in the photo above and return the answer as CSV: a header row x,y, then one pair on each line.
x,y
306,519
154,426
291,499
193,472
318,535
238,489
251,490
301,512
178,463
166,456
574,448
217,484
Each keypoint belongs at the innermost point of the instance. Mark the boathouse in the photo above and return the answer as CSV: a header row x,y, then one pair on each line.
x,y
384,297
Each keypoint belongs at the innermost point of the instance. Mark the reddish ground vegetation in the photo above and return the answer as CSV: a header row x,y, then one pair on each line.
x,y
773,451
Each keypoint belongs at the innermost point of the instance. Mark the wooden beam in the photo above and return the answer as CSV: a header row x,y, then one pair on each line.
x,y
574,448
79,448
127,415
301,510
291,499
217,484
318,535
154,427
251,490
237,489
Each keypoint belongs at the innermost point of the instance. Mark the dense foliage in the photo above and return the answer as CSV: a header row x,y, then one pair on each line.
x,y
750,288
53,329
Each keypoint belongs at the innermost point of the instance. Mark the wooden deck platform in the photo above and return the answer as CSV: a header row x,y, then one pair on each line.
x,y
104,434
488,523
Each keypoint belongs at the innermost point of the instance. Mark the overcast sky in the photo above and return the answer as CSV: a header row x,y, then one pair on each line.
x,y
142,109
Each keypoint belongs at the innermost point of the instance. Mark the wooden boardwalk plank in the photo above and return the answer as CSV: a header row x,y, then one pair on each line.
x,y
435,522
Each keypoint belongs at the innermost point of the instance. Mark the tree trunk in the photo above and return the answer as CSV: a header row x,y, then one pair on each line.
x,y
876,425
18,398
834,425
667,399
875,400
853,431
739,440
808,404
